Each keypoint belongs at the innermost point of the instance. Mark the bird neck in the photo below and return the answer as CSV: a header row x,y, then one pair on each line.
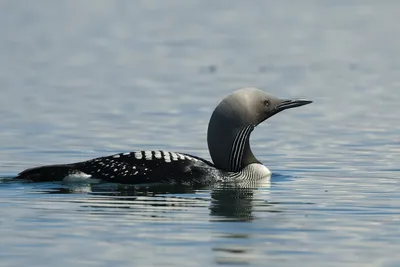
x,y
230,147
248,156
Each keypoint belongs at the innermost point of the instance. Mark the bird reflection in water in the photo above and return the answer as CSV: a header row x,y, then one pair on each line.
x,y
226,201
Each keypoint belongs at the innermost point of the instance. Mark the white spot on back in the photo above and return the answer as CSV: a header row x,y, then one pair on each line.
x,y
148,155
136,172
181,157
126,154
167,157
174,156
138,155
157,154
116,156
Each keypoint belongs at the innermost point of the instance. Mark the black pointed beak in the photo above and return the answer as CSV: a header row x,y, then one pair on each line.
x,y
286,104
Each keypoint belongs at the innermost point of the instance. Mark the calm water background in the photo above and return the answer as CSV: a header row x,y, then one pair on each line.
x,y
81,79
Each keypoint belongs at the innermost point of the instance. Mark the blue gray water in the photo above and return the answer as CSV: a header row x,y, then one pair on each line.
x,y
81,79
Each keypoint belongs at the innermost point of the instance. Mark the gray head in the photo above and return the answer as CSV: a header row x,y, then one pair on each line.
x,y
235,118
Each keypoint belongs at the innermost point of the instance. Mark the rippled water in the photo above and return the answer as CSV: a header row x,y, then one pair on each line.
x,y
85,79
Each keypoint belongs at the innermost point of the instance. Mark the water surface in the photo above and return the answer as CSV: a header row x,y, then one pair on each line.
x,y
81,80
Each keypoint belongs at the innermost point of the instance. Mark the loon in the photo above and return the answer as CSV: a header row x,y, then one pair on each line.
x,y
228,139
